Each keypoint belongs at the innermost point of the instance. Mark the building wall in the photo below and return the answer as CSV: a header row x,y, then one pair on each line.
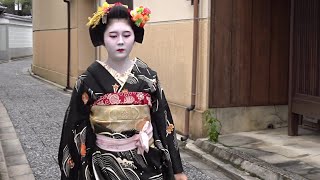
x,y
50,39
4,54
20,34
20,39
16,37
168,10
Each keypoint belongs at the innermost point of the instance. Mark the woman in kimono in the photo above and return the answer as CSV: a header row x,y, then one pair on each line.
x,y
118,125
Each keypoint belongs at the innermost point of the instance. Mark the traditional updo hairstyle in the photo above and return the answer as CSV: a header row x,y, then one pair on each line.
x,y
116,12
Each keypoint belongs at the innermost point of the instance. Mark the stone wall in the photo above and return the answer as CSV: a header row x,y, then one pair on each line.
x,y
239,119
15,37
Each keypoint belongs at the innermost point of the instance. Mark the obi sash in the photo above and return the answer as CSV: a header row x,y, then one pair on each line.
x,y
119,118
139,141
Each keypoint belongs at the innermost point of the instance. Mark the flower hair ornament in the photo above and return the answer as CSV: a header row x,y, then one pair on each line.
x,y
139,16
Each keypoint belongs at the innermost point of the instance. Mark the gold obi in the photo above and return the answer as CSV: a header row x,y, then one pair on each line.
x,y
119,118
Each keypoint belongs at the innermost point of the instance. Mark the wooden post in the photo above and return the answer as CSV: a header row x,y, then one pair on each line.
x,y
293,119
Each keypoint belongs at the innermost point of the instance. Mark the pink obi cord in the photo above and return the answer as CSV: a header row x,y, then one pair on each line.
x,y
140,141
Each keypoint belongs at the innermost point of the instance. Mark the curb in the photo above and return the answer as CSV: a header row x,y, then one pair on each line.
x,y
15,59
49,82
14,163
226,168
238,164
3,166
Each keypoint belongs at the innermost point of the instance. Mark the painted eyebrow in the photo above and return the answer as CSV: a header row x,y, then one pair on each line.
x,y
117,32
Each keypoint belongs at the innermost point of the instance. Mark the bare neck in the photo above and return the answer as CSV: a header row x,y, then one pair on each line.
x,y
120,66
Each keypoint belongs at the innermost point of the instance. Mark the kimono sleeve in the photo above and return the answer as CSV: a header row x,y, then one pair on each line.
x,y
162,115
73,134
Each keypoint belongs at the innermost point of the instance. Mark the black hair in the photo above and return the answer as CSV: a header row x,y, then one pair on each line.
x,y
116,12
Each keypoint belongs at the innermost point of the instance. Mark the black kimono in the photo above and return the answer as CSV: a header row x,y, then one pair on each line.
x,y
81,158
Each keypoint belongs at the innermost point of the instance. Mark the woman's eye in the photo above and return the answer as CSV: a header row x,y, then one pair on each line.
x,y
127,35
113,36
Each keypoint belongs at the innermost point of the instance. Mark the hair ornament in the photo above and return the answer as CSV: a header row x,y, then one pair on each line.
x,y
139,15
100,14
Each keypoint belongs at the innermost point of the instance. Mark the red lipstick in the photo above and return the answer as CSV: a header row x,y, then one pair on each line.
x,y
120,50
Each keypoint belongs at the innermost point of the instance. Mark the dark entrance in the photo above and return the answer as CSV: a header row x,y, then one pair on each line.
x,y
304,87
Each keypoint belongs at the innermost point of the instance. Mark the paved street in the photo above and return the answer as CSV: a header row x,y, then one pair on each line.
x,y
37,109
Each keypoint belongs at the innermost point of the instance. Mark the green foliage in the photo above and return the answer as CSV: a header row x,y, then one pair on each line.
x,y
25,8
213,124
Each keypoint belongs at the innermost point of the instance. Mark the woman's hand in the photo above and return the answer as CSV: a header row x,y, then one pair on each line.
x,y
180,176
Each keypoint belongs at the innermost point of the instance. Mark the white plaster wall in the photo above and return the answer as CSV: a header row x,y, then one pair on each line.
x,y
3,38
20,36
4,21
16,36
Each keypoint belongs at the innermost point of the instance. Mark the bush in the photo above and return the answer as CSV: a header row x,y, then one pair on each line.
x,y
214,126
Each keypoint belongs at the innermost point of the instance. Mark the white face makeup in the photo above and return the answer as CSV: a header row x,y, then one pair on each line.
x,y
118,39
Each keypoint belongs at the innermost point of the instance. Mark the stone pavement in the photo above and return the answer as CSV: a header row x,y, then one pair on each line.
x,y
13,161
36,111
267,154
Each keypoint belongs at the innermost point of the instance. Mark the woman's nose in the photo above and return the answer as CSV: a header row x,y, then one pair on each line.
x,y
120,42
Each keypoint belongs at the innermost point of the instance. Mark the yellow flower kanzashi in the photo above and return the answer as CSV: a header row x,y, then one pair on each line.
x,y
102,10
